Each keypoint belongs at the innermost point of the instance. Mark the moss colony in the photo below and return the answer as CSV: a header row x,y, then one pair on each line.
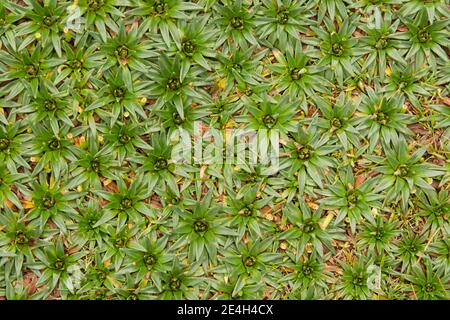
x,y
115,182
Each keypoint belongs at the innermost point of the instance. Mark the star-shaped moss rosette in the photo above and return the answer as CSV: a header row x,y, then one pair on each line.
x,y
307,228
16,239
218,149
297,74
338,49
381,43
202,231
426,40
279,22
384,118
402,172
309,278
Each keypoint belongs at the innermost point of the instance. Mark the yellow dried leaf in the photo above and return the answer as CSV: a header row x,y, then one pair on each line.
x,y
313,205
351,88
8,203
388,71
221,84
203,175
52,182
114,281
324,224
266,72
81,142
28,204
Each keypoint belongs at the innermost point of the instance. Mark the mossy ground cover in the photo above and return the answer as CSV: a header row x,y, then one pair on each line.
x,y
98,97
